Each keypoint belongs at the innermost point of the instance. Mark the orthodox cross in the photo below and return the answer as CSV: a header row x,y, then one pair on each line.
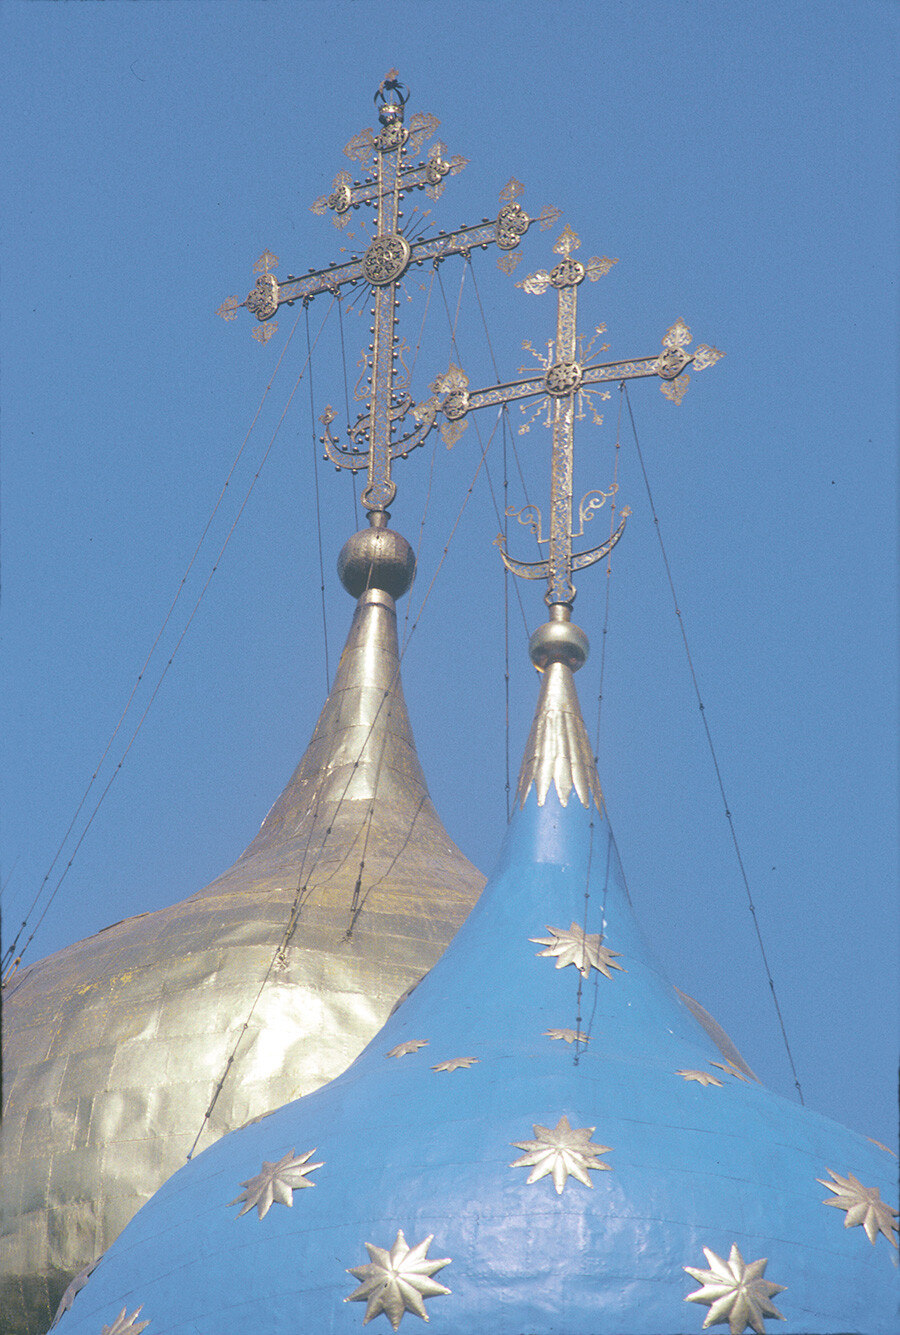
x,y
564,387
372,444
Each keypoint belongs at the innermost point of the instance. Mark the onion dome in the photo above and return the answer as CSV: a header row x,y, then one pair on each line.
x,y
273,977
541,1139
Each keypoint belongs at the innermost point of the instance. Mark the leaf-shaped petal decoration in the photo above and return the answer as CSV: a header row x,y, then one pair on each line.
x,y
451,432
548,216
454,380
509,261
512,190
266,262
319,206
675,389
677,335
229,308
421,127
535,283
706,356
361,146
597,266
567,241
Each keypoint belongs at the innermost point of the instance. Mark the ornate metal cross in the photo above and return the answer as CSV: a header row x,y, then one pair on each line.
x,y
564,386
388,257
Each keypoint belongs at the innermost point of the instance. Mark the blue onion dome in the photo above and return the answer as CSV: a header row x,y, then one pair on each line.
x,y
192,1019
542,1140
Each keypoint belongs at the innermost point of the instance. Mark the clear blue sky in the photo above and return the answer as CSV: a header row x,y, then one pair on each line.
x,y
741,164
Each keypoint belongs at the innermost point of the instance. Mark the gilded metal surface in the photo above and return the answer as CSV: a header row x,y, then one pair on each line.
x,y
863,1205
397,1281
114,1046
558,751
560,1153
702,1077
735,1291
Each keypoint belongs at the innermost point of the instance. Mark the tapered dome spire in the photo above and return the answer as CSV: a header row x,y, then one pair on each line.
x,y
121,1048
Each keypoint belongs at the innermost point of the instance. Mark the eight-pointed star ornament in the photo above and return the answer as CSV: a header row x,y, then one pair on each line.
x,y
568,1035
735,1292
404,1049
276,1182
702,1077
863,1205
456,1064
563,1151
397,1281
574,946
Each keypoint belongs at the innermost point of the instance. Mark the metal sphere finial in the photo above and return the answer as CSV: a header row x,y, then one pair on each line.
x,y
559,641
391,98
377,558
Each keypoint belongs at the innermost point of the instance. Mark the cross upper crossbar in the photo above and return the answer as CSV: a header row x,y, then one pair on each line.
x,y
565,382
386,260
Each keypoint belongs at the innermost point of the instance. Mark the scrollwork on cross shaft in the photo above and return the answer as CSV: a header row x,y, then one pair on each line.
x,y
590,503
530,517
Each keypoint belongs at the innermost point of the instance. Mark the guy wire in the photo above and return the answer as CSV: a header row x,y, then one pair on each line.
x,y
315,457
11,949
712,752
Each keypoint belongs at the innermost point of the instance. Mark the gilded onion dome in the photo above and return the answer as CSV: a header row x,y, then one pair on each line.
x,y
273,977
541,1139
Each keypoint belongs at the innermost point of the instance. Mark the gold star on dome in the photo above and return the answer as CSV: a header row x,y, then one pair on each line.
x,y
404,1049
735,1292
76,1284
702,1077
275,1182
456,1064
125,1325
563,1151
731,1069
574,946
397,1281
567,1035
863,1205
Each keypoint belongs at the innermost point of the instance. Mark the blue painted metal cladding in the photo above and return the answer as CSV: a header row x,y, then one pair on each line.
x,y
407,1148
